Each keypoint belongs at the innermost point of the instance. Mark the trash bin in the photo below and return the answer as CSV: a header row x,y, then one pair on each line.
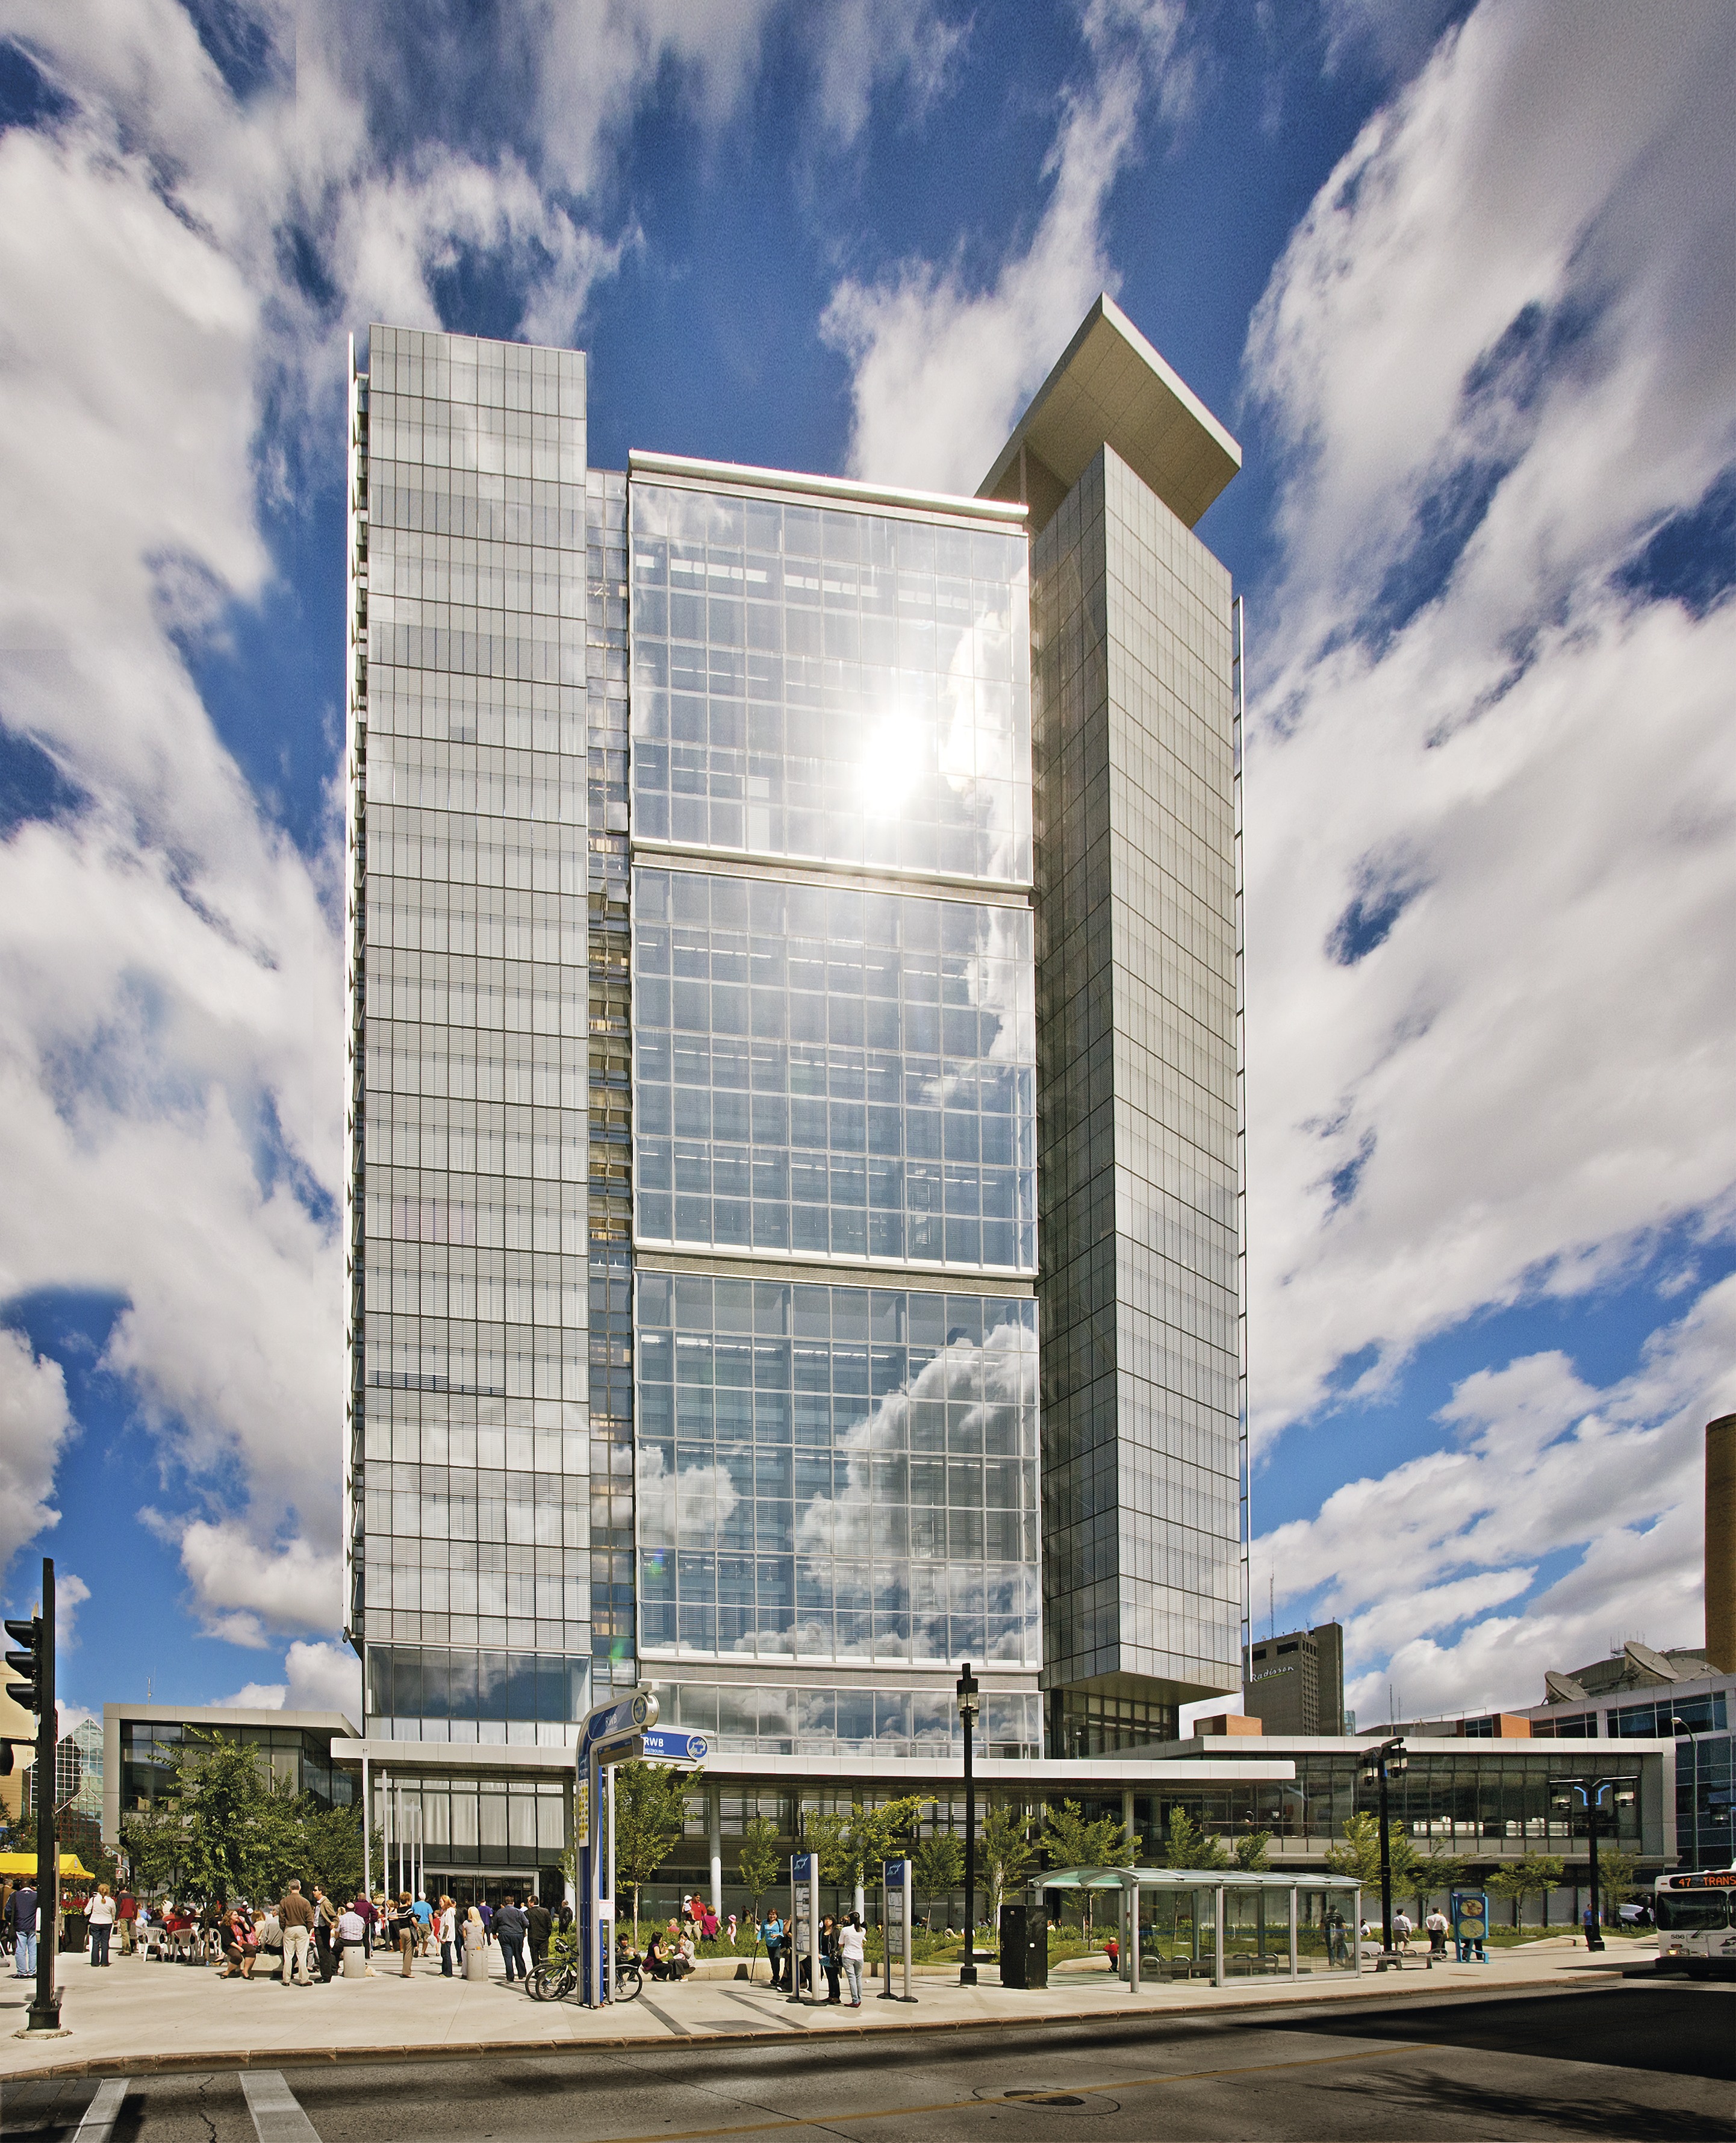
x,y
355,1961
1024,1945
476,1962
75,1932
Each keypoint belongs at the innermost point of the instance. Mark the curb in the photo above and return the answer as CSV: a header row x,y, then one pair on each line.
x,y
286,2057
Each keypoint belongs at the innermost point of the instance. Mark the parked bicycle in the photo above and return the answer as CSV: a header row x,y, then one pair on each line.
x,y
559,1978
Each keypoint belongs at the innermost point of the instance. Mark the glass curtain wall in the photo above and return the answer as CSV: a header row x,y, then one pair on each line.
x,y
470,1459
1137,1103
834,1070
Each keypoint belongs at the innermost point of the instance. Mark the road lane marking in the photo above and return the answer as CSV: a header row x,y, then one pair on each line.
x,y
829,2120
102,2112
277,2118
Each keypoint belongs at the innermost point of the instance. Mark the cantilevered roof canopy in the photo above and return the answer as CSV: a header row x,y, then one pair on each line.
x,y
1110,387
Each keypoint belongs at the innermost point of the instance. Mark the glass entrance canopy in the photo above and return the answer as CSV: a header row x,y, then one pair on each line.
x,y
1219,1924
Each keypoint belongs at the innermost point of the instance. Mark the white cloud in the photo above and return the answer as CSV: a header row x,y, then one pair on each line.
x,y
941,365
35,1423
861,45
70,1592
246,1589
317,1677
1517,291
1541,1465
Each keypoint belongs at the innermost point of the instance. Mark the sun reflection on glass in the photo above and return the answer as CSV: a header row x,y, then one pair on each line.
x,y
892,759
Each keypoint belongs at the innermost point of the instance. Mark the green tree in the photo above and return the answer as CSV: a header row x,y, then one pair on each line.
x,y
1190,1845
222,1829
1253,1852
1614,1878
938,1869
1438,1873
650,1806
1358,1854
759,1861
1004,1853
1534,1872
851,1848
1069,1841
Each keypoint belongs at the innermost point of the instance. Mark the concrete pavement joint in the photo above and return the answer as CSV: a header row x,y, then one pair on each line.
x,y
779,2029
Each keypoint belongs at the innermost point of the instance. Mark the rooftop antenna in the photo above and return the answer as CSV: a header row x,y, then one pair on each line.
x,y
1272,1603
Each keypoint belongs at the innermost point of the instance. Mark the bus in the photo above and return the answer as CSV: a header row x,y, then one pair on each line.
x,y
1696,1918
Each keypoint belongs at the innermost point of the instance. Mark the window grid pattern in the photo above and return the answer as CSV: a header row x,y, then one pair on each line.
x,y
830,1073
1136,983
830,686
610,1117
469,900
836,1473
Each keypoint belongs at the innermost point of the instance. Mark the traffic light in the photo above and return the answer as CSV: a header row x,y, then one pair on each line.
x,y
27,1662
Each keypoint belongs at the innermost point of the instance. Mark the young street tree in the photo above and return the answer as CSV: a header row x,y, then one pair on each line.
x,y
853,1846
1358,1854
1253,1852
1191,1846
1004,1853
651,1805
938,1869
1069,1841
1527,1877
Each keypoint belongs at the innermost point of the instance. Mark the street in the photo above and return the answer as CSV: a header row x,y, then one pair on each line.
x,y
1634,2060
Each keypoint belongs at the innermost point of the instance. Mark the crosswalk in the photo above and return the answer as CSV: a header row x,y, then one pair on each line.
x,y
277,2118
102,2112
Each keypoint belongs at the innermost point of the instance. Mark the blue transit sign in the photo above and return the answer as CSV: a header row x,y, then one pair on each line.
x,y
894,1872
801,1867
670,1744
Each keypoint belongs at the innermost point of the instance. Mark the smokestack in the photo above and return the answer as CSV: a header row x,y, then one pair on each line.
x,y
1721,1543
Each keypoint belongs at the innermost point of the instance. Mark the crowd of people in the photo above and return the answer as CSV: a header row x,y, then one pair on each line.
x,y
302,1938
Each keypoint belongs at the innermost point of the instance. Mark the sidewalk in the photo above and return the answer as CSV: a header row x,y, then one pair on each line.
x,y
137,2017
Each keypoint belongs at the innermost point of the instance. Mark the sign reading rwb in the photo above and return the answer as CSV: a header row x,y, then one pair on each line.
x,y
670,1744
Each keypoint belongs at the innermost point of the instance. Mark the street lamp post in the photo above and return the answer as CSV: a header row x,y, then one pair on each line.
x,y
1592,1791
1388,1761
970,1701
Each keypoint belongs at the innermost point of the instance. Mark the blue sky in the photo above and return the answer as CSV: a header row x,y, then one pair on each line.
x,y
1461,281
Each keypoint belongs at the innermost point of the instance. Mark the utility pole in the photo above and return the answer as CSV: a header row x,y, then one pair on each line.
x,y
1388,1761
970,1701
34,1662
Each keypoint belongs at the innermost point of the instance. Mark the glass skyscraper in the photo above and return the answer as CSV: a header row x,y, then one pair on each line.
x,y
792,978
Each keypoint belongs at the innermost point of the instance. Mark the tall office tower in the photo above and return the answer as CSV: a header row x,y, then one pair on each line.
x,y
1136,1040
466,1236
707,965
835,1109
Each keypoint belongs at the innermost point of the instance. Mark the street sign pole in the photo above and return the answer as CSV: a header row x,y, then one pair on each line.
x,y
804,1915
608,1730
896,1923
45,2010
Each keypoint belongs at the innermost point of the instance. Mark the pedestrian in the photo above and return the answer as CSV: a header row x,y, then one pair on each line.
x,y
448,1928
476,1940
539,1924
1403,1928
296,1913
363,1907
1435,1923
424,1913
511,1926
403,1932
101,1914
771,1933
21,1918
126,1914
707,1923
486,1913
325,1933
269,1928
563,1917
732,1930
831,1956
850,1941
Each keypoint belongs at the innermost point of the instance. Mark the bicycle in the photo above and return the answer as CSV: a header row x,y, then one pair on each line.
x,y
554,1982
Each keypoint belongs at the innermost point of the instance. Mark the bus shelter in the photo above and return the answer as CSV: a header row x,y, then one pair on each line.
x,y
1219,1924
